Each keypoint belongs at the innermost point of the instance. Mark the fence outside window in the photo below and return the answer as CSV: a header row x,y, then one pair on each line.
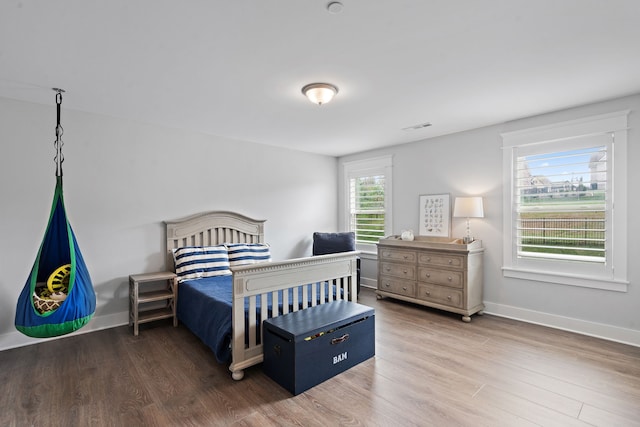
x,y
573,236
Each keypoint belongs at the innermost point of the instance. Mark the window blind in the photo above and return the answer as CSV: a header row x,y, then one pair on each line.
x,y
367,208
562,203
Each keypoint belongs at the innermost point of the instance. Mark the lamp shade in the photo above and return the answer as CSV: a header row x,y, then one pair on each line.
x,y
320,93
468,207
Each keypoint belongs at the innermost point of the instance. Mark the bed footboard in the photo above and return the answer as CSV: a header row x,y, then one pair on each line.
x,y
313,280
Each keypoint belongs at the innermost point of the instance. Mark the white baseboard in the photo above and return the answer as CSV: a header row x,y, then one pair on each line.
x,y
584,327
17,339
368,283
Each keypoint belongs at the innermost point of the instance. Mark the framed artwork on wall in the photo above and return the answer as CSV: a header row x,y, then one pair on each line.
x,y
435,215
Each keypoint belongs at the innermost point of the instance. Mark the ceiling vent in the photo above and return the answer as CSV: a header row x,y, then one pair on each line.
x,y
416,127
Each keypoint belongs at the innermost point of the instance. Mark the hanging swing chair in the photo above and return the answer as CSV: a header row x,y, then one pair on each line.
x,y
58,297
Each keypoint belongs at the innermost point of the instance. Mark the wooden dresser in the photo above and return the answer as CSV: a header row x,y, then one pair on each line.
x,y
438,272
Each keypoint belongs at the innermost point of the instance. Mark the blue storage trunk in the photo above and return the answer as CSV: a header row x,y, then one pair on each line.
x,y
304,348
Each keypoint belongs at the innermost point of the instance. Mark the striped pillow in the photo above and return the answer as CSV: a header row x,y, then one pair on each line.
x,y
195,262
248,253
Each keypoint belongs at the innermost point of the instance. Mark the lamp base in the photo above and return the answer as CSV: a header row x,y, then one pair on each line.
x,y
466,240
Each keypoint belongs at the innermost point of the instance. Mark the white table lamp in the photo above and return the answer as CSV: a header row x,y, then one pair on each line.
x,y
468,207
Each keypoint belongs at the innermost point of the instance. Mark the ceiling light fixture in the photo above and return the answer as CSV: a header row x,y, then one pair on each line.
x,y
319,93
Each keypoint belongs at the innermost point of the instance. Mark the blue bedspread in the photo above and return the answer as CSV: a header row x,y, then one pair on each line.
x,y
204,306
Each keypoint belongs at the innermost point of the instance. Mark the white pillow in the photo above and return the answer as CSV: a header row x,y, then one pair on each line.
x,y
195,262
248,253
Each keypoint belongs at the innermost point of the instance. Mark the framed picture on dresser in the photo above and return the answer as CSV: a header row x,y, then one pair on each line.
x,y
435,215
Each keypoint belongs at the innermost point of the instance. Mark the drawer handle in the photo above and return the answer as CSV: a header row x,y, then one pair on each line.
x,y
428,293
406,257
449,278
450,261
449,297
387,285
428,274
428,258
404,271
339,340
388,269
404,288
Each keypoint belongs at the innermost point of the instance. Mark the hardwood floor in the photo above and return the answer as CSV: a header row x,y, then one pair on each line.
x,y
430,369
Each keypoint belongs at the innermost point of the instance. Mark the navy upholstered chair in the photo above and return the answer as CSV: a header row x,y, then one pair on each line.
x,y
331,243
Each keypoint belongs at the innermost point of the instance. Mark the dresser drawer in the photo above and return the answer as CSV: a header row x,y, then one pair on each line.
x,y
440,295
397,255
403,271
438,259
396,286
441,277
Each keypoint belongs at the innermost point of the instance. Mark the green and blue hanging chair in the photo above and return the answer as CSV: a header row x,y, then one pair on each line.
x,y
58,297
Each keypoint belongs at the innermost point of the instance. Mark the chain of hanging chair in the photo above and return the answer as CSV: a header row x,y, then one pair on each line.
x,y
59,157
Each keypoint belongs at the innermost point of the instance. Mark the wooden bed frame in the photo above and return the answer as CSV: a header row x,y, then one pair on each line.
x,y
255,281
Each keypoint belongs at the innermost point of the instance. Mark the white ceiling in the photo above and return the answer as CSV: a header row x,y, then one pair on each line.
x,y
234,68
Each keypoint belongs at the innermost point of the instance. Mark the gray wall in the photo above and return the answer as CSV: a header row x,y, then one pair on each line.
x,y
122,179
470,163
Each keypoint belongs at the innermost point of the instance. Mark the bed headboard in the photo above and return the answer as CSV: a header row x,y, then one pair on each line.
x,y
212,228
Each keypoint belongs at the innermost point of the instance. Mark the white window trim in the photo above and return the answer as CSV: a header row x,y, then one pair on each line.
x,y
367,167
606,123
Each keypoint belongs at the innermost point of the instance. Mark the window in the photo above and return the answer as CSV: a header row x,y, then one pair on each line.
x,y
368,200
561,223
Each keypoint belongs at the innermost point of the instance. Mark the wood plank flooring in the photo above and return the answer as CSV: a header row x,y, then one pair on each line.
x,y
430,369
